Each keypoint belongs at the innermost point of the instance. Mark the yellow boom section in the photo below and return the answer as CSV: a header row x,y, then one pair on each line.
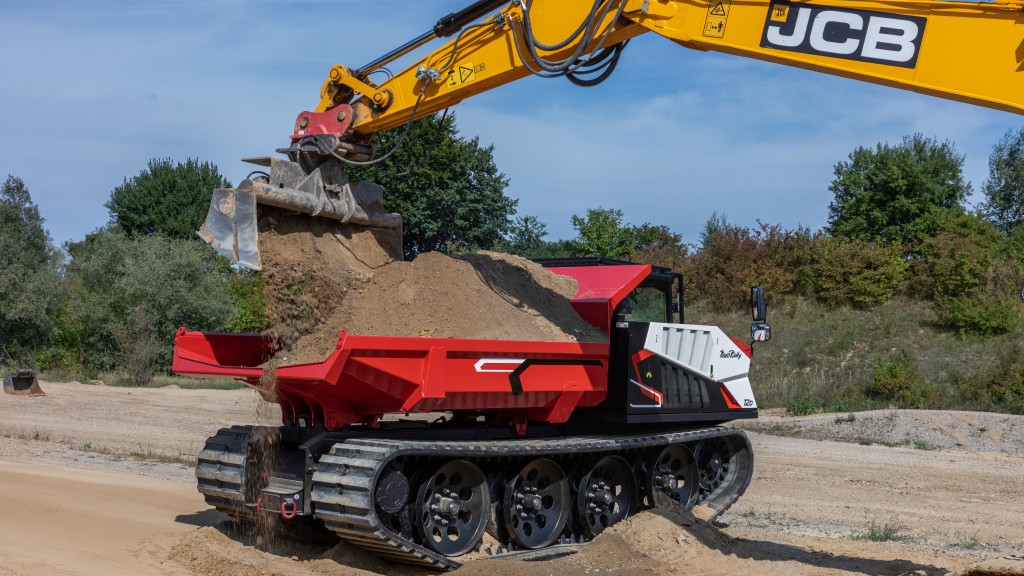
x,y
966,51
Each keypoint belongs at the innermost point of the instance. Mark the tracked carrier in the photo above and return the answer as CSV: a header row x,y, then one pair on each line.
x,y
413,448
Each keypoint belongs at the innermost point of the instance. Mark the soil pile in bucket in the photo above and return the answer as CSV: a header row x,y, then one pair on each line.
x,y
323,277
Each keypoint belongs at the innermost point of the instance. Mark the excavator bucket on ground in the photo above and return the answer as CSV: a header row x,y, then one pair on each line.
x,y
23,383
321,191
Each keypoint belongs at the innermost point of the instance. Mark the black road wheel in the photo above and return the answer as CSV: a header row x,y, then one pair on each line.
x,y
536,504
713,458
452,508
391,497
672,476
604,494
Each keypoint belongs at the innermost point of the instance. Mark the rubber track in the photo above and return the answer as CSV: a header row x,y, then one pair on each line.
x,y
220,470
343,484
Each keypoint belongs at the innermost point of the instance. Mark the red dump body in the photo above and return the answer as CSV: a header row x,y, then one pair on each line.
x,y
369,376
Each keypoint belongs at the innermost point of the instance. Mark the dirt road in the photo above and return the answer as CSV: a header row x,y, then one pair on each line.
x,y
97,480
62,520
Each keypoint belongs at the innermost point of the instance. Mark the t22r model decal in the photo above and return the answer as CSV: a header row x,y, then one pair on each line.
x,y
863,35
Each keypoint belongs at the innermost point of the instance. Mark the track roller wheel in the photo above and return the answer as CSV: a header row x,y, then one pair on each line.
x,y
672,476
605,494
713,458
536,504
452,508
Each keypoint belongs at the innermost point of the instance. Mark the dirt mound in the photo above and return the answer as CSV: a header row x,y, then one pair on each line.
x,y
323,277
220,550
485,295
1007,566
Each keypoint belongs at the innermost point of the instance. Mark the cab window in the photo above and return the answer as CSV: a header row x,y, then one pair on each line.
x,y
646,304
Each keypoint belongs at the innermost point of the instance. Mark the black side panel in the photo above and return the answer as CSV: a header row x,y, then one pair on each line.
x,y
682,389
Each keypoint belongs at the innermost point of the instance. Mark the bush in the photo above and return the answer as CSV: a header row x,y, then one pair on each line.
x,y
738,258
1002,390
896,380
127,297
893,378
955,260
854,272
168,198
972,315
803,406
246,289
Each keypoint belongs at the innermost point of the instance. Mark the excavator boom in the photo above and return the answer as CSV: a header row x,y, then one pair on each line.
x,y
966,51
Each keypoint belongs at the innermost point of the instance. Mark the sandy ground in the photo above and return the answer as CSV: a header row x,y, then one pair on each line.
x,y
98,480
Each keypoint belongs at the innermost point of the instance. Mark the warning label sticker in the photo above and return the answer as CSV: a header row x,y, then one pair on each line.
x,y
464,73
718,14
780,12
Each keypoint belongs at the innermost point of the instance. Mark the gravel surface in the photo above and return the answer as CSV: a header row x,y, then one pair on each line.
x,y
920,429
98,480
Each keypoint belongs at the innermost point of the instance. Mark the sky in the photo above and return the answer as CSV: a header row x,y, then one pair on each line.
x,y
94,89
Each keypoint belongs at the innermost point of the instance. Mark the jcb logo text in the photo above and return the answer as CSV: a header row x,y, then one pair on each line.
x,y
843,33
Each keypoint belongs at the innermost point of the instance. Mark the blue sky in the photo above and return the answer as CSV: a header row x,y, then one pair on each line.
x,y
94,89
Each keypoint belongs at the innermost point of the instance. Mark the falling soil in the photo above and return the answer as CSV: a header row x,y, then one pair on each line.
x,y
310,266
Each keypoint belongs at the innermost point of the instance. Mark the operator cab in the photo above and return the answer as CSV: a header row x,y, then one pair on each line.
x,y
661,370
657,299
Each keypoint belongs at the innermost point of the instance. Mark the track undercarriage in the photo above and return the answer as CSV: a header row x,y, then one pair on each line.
x,y
427,496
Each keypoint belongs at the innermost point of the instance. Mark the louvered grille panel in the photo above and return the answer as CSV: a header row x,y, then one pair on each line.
x,y
686,346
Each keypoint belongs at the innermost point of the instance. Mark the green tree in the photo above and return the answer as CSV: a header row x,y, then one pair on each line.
x,y
525,238
28,275
716,223
166,198
660,246
896,193
602,233
1004,187
448,189
128,296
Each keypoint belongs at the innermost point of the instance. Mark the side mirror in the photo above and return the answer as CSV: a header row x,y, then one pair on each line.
x,y
758,305
1022,293
760,332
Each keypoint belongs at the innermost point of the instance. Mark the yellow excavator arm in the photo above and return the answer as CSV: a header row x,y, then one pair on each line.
x,y
966,51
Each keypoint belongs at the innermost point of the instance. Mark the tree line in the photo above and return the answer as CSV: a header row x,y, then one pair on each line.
x,y
898,224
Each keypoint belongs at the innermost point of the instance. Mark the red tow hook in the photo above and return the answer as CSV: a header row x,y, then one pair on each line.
x,y
284,510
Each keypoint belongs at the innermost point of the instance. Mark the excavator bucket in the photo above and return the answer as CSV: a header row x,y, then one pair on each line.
x,y
231,226
23,383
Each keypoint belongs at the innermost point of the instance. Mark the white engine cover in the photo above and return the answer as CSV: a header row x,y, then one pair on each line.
x,y
707,351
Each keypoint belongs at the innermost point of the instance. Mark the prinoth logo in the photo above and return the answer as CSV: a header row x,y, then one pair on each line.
x,y
844,33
